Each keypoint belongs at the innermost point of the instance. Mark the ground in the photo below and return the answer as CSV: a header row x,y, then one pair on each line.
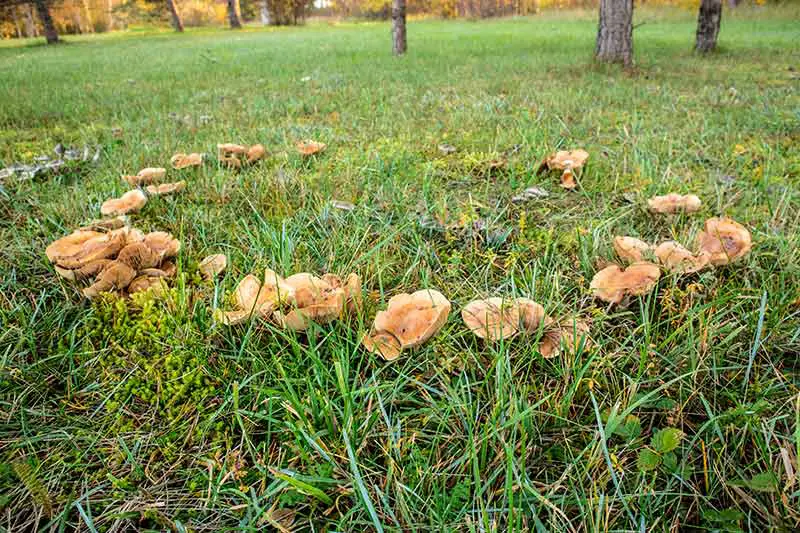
x,y
682,414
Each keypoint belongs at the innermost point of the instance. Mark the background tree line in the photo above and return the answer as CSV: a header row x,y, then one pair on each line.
x,y
24,18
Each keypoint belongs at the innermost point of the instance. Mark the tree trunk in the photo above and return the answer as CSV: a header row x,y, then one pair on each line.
x,y
264,13
733,3
708,25
110,7
615,32
233,15
176,17
30,25
43,10
399,27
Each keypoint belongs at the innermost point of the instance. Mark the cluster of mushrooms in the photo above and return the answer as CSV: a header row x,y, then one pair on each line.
x,y
293,302
722,241
237,155
112,256
148,183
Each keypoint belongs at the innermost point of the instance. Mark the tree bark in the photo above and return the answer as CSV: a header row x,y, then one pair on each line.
x,y
264,13
708,25
177,23
233,15
733,3
399,45
615,32
43,10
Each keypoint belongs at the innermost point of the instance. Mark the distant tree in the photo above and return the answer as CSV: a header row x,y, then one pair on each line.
x,y
43,10
233,15
176,17
708,20
615,32
399,45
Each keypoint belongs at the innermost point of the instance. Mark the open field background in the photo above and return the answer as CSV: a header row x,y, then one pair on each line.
x,y
456,435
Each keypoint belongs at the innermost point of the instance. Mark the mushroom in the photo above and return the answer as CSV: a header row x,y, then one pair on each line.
x,y
612,283
309,147
115,276
130,202
631,249
107,224
492,319
139,256
724,240
144,282
212,265
351,286
531,314
146,176
166,188
675,203
675,258
411,319
76,250
572,337
256,153
181,160
169,268
315,300
567,161
163,244
229,154
250,297
87,271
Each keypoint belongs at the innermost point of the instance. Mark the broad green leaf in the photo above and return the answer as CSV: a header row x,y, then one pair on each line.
x,y
667,439
670,461
764,482
648,460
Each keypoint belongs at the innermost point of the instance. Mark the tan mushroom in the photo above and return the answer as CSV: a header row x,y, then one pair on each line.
x,y
612,284
133,235
383,343
146,176
675,203
169,268
229,154
145,282
231,318
309,147
114,277
631,249
139,256
99,246
724,240
352,293
166,188
572,337
492,319
256,153
163,244
677,259
531,315
315,300
181,160
87,271
212,265
568,161
411,318
107,224
279,291
130,202
250,297
70,245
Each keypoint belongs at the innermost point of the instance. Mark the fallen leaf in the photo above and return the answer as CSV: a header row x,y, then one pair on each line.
x,y
344,206
531,193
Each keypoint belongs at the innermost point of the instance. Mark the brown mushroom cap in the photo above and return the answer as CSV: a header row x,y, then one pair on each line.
x,y
231,318
492,319
315,299
146,176
675,203
99,246
309,147
675,258
212,265
107,224
169,268
568,179
413,318
166,188
87,271
181,160
352,292
138,256
631,249
567,159
384,344
724,240
256,153
571,337
280,292
116,276
163,244
227,149
249,296
70,245
531,314
130,202
612,283
145,282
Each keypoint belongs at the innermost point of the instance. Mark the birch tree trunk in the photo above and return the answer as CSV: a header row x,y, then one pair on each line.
x,y
399,45
233,15
177,23
615,32
43,10
708,25
264,13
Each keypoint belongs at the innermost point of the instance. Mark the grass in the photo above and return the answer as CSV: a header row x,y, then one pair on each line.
x,y
457,435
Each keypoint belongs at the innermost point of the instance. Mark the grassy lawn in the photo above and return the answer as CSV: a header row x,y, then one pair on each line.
x,y
456,435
